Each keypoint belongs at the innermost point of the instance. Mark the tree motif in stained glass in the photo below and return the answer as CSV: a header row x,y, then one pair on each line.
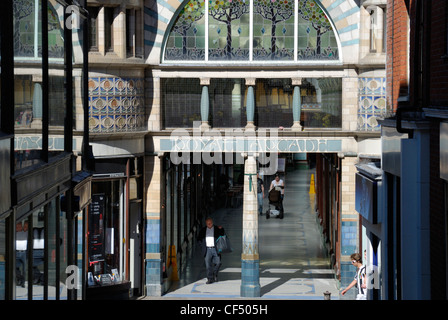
x,y
316,37
228,30
187,37
279,27
24,25
55,30
274,30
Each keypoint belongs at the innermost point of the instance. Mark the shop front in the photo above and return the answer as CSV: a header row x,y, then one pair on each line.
x,y
368,197
114,230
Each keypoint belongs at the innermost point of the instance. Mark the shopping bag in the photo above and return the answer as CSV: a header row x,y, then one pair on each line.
x,y
223,244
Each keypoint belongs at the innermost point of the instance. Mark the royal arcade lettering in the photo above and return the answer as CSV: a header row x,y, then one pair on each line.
x,y
210,146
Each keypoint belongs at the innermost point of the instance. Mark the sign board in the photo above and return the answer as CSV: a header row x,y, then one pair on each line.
x,y
96,227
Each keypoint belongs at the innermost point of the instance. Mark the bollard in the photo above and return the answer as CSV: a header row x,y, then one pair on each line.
x,y
327,295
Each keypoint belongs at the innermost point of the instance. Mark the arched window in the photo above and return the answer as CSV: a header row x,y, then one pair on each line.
x,y
251,30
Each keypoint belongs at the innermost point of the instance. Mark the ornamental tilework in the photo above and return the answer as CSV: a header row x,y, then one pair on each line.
x,y
372,103
116,104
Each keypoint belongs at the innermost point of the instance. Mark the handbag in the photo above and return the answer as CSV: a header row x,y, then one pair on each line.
x,y
223,244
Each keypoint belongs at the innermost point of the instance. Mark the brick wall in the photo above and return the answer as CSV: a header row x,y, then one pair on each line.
x,y
438,92
397,51
430,58
437,62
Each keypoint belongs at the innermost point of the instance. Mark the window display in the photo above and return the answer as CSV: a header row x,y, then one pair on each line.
x,y
105,229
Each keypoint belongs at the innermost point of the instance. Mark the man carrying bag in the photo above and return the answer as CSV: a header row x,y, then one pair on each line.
x,y
207,239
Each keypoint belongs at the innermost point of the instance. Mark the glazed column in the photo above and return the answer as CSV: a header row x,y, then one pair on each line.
x,y
250,104
205,104
296,104
250,260
37,102
153,258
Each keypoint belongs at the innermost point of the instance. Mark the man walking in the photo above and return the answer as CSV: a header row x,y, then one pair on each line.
x,y
207,240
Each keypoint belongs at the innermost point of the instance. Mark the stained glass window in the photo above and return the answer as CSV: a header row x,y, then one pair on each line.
x,y
316,39
286,30
187,38
228,26
55,30
27,24
273,30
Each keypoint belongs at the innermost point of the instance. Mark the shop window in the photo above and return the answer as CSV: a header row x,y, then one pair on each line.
x,y
105,228
30,248
41,254
38,92
27,115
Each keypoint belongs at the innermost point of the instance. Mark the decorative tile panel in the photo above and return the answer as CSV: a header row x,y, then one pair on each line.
x,y
116,104
372,103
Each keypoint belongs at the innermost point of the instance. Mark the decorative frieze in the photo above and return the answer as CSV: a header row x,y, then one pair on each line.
x,y
116,104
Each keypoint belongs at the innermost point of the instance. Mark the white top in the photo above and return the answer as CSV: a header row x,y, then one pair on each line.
x,y
360,277
209,237
21,240
278,184
38,241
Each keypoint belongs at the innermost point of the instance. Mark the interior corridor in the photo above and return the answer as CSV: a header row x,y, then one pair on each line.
x,y
293,262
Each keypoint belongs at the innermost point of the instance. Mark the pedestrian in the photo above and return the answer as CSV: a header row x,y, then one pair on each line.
x,y
360,278
207,240
21,252
260,193
277,182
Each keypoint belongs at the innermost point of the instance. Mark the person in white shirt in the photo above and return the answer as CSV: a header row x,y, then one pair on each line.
x,y
277,182
207,239
360,278
21,247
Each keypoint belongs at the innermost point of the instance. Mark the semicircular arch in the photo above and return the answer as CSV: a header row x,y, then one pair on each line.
x,y
339,18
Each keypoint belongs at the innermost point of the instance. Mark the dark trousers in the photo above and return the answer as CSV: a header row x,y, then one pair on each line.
x,y
212,263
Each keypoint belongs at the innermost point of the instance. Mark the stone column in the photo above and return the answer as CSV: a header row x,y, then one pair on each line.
x,y
350,100
250,104
205,104
296,104
250,260
37,102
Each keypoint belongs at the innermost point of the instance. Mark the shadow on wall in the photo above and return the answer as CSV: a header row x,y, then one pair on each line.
x,y
150,25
